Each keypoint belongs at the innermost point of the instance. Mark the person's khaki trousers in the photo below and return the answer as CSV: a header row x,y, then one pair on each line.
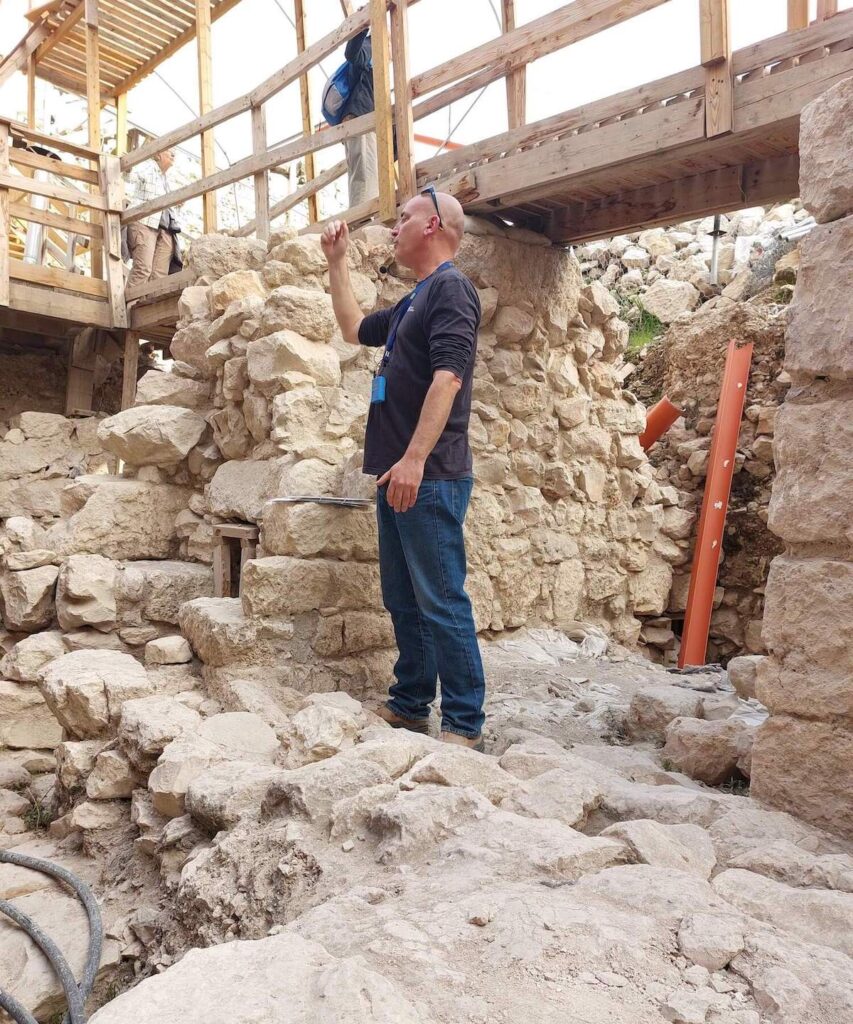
x,y
151,252
361,168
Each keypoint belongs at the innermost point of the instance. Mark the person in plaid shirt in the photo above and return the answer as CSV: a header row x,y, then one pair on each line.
x,y
151,240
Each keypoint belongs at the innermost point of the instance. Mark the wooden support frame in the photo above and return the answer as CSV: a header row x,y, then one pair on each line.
x,y
80,384
798,14
130,369
826,9
205,103
305,103
235,540
93,74
31,90
121,124
403,117
716,48
112,186
261,179
379,39
4,217
516,81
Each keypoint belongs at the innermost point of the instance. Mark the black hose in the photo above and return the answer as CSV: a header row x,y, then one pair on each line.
x,y
19,1014
86,897
54,955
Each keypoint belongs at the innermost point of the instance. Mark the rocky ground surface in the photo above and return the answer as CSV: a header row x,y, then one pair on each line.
x,y
601,862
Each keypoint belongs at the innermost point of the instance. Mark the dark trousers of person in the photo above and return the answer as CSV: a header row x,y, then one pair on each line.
x,y
422,567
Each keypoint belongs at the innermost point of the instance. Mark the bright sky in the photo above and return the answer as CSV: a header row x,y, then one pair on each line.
x,y
256,38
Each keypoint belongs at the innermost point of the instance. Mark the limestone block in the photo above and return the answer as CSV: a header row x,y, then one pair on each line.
x,y
709,751
512,324
168,650
30,654
235,315
230,432
311,791
820,324
31,455
826,141
190,345
240,489
281,585
224,794
657,242
42,424
149,724
649,588
678,847
123,519
158,388
303,311
654,707
238,284
86,689
220,634
28,598
24,531
25,719
307,530
636,257
805,767
284,352
813,490
256,412
151,435
153,591
16,561
86,593
214,256
112,777
562,793
668,299
711,940
194,304
742,673
235,379
75,759
352,633
304,254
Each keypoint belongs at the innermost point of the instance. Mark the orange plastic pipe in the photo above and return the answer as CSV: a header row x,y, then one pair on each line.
x,y
659,419
715,503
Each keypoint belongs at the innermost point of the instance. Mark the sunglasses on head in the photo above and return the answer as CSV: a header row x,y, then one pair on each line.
x,y
430,191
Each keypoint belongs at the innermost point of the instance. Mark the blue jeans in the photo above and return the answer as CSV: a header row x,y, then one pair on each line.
x,y
422,567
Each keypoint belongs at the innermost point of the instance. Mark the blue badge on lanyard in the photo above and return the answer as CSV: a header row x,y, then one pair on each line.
x,y
377,391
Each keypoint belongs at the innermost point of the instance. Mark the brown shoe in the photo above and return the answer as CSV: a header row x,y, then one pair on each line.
x,y
420,725
472,742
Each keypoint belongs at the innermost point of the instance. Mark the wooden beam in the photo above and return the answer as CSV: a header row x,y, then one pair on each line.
x,y
4,217
688,198
54,278
300,195
403,119
112,186
716,48
792,44
121,124
161,313
205,105
826,9
130,369
305,102
798,14
62,31
160,287
384,113
516,81
80,385
77,309
262,184
17,59
50,7
22,131
346,7
560,28
62,169
272,85
252,165
31,90
23,211
18,183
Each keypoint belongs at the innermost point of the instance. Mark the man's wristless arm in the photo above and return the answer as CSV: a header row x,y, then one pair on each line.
x,y
434,414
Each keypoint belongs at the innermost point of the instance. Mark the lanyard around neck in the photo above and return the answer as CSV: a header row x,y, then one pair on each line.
x,y
403,308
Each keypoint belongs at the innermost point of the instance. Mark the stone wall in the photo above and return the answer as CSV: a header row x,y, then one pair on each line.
x,y
803,756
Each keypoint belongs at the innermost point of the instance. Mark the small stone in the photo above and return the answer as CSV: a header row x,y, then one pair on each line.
x,y
348,846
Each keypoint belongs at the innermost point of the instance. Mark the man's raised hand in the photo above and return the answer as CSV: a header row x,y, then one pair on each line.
x,y
335,240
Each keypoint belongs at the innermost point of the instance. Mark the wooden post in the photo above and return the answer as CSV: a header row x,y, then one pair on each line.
x,y
384,114
112,186
130,368
121,124
80,384
4,216
826,9
403,120
31,90
715,34
262,184
205,103
93,108
305,99
798,14
516,81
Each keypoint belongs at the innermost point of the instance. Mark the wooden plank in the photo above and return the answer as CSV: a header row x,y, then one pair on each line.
x,y
130,369
80,384
826,9
161,313
24,158
700,195
300,195
568,24
79,309
305,104
19,183
716,47
540,170
59,34
354,216
4,217
798,14
121,124
23,211
262,184
403,119
792,44
714,32
516,81
112,185
272,85
31,90
648,95
53,278
384,113
240,531
21,131
222,569
205,105
252,165
173,284
93,75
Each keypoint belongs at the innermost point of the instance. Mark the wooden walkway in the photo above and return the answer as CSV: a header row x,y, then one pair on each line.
x,y
712,138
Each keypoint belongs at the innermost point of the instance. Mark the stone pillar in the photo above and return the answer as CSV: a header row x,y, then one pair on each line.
x,y
803,757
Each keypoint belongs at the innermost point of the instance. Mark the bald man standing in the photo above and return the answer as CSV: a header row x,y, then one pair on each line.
x,y
416,445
